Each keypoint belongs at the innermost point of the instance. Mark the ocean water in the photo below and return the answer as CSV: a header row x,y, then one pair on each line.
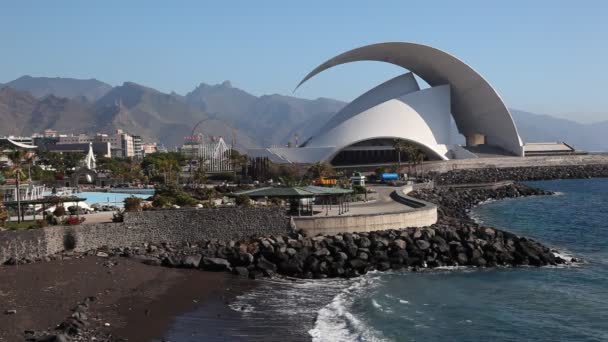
x,y
568,303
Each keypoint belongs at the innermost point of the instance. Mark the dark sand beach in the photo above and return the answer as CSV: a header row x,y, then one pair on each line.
x,y
138,302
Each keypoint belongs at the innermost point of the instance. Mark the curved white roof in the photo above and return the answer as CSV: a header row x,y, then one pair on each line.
x,y
21,145
475,105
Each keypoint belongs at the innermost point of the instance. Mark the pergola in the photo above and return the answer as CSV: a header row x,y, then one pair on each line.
x,y
296,193
46,201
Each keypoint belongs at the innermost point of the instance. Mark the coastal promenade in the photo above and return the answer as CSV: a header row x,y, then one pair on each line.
x,y
509,162
392,209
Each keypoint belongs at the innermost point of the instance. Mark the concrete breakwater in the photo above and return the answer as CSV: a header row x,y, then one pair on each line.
x,y
454,241
527,173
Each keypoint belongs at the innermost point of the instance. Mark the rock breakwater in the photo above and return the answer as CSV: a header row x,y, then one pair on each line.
x,y
455,240
489,175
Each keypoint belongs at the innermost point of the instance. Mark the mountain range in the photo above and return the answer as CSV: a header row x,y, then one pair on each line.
x,y
32,104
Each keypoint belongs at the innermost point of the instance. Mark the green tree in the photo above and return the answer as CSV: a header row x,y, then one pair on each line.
x,y
320,169
199,175
238,161
52,159
163,164
3,211
413,153
122,168
399,146
288,174
19,158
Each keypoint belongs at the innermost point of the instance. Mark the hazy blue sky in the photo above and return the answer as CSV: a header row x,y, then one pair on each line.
x,y
542,56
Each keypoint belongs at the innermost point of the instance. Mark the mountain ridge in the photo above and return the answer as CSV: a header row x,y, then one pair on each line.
x,y
257,121
39,87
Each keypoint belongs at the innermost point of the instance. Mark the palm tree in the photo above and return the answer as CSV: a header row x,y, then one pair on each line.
x,y
399,146
19,158
3,212
419,158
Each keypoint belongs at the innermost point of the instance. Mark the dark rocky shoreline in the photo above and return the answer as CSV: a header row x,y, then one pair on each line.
x,y
455,240
520,174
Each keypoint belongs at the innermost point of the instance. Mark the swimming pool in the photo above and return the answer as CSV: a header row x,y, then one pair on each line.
x,y
107,198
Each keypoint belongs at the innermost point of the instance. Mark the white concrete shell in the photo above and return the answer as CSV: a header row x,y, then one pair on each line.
x,y
396,109
475,105
391,110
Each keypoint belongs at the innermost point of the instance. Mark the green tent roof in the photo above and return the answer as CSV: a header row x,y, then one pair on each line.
x,y
296,191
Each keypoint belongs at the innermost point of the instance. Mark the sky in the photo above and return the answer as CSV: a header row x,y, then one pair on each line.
x,y
548,57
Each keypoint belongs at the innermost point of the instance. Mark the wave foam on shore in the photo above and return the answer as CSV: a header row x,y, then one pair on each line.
x,y
337,322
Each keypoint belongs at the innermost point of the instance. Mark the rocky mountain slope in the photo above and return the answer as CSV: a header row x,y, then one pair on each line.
x,y
270,119
31,104
40,87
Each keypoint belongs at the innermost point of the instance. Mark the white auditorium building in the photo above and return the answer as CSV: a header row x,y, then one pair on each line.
x,y
364,131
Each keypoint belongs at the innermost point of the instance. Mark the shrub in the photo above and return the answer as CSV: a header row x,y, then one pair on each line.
x,y
132,203
358,189
170,195
50,219
72,221
118,217
161,201
242,200
224,176
59,211
209,205
183,199
73,209
3,216
275,201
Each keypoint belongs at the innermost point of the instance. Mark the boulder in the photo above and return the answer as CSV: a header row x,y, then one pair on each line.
x,y
289,267
241,271
192,261
266,265
423,244
216,264
172,261
357,264
401,244
322,252
462,259
364,242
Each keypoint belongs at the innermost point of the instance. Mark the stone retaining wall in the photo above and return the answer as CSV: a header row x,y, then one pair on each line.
x,y
419,214
172,226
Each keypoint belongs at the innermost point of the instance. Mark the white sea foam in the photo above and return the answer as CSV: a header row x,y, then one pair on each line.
x,y
403,301
279,301
336,322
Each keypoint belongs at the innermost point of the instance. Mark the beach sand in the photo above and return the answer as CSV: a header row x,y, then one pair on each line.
x,y
139,302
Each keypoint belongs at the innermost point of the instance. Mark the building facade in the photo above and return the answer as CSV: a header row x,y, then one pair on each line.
x,y
121,143
212,154
367,130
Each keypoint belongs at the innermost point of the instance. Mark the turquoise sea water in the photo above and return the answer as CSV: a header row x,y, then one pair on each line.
x,y
505,304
